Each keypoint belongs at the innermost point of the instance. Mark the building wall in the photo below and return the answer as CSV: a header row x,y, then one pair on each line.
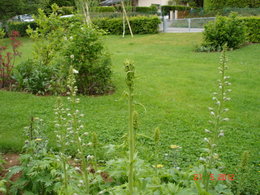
x,y
150,2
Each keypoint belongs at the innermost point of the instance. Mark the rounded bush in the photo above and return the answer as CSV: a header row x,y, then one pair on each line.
x,y
224,30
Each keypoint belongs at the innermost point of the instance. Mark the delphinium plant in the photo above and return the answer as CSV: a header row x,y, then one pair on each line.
x,y
211,158
70,134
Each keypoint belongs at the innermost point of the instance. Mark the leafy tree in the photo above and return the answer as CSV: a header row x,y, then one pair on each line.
x,y
9,8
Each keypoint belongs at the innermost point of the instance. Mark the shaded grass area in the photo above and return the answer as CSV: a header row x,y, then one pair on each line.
x,y
174,84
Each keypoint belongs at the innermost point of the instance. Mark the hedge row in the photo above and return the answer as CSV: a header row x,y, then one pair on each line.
x,y
253,28
167,8
151,9
139,24
220,4
105,9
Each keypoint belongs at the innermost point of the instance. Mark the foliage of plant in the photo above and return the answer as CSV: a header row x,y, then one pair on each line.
x,y
70,42
40,170
48,35
252,28
7,60
224,30
36,78
139,25
167,8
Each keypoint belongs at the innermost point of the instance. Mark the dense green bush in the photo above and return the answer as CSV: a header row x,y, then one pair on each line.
x,y
252,28
85,52
139,24
225,30
167,8
20,27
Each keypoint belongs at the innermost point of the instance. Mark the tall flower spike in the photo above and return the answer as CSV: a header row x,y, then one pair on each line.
x,y
220,98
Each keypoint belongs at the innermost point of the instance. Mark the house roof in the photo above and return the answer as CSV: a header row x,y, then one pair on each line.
x,y
110,2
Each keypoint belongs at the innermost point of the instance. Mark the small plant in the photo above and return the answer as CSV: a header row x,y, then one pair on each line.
x,y
34,77
7,60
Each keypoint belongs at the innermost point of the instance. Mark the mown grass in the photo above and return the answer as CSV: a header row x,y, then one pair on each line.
x,y
174,84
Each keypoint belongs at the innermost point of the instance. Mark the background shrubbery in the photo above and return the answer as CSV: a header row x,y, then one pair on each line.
x,y
20,27
139,25
252,28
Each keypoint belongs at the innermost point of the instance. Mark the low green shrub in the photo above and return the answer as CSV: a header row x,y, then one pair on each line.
x,y
167,8
224,30
139,24
20,27
252,28
33,77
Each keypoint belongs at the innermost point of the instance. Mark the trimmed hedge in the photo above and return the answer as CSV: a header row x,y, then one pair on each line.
x,y
253,28
105,9
139,25
167,8
20,26
151,9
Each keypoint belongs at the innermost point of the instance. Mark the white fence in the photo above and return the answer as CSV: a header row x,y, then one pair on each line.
x,y
185,25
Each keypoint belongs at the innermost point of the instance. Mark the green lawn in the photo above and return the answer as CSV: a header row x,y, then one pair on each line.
x,y
174,84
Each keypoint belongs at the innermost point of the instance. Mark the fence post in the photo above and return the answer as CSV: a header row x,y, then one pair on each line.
x,y
176,14
164,24
189,21
171,15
